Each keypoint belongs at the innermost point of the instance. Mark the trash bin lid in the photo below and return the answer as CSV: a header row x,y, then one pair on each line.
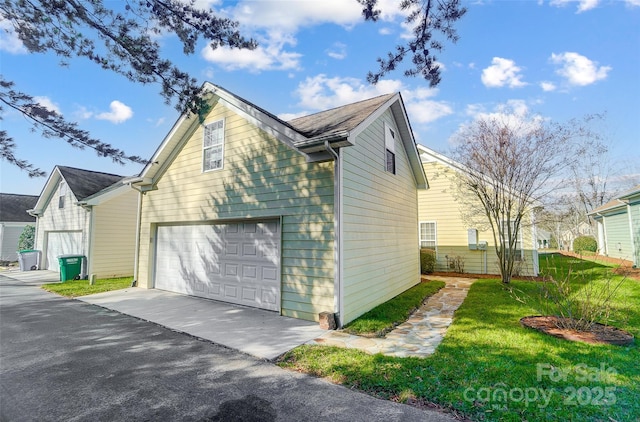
x,y
71,255
27,250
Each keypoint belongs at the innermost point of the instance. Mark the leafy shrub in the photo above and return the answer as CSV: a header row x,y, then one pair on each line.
x,y
27,238
427,260
585,244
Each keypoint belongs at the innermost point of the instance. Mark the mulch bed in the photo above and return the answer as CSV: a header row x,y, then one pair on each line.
x,y
599,333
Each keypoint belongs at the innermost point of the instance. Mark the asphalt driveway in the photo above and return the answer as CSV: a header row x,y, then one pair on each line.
x,y
63,359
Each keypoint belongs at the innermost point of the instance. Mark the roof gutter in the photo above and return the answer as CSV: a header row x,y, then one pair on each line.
x,y
319,143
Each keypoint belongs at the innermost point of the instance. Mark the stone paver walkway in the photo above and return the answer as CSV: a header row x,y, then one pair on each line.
x,y
417,337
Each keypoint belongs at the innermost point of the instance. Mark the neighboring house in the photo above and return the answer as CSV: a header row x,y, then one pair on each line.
x,y
618,223
87,213
317,214
444,228
568,236
543,238
13,219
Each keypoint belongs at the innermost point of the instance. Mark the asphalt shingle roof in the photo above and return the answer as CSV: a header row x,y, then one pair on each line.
x,y
13,207
338,119
84,183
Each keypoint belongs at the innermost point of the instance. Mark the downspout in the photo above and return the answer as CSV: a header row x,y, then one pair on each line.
x,y
90,234
337,226
605,241
136,252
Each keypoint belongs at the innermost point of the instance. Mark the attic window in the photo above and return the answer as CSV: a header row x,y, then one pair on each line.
x,y
62,192
390,149
213,146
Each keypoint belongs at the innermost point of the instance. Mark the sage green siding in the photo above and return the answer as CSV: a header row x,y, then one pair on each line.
x,y
618,236
635,221
261,178
379,246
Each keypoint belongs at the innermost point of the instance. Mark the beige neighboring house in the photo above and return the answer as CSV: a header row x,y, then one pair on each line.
x,y
87,213
568,236
13,219
443,228
315,214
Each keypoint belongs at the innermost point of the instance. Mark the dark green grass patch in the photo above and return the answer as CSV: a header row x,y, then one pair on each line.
x,y
489,367
383,318
75,288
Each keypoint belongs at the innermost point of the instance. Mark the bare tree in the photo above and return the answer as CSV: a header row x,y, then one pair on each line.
x,y
511,164
426,17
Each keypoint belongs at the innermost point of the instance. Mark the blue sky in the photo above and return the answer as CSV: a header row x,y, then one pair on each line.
x,y
559,59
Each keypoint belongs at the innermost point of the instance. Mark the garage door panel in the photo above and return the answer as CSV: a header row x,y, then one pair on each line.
x,y
233,262
62,243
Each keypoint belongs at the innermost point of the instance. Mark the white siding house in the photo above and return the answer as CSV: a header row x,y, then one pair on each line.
x,y
87,213
300,217
13,219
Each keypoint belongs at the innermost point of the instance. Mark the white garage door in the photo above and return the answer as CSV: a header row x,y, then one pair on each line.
x,y
62,243
231,262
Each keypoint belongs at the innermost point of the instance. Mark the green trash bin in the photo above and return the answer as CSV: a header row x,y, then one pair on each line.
x,y
70,267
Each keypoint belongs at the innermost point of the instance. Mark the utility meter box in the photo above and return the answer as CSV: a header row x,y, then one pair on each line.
x,y
482,245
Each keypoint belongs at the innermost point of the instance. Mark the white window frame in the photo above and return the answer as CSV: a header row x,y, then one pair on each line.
x,y
390,149
62,193
435,235
519,241
219,144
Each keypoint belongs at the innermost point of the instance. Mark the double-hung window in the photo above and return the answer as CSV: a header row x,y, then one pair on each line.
x,y
428,235
517,249
213,146
390,149
62,192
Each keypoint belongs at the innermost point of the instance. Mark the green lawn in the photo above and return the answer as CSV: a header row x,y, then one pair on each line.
x,y
74,288
383,318
491,368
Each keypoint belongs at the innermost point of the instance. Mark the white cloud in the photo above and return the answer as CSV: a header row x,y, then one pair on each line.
x,y
583,5
292,15
322,93
47,103
633,3
338,51
119,113
514,113
290,116
269,55
502,72
547,86
9,40
579,70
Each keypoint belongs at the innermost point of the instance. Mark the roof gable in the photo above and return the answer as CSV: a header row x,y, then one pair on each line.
x,y
13,207
82,183
308,135
85,183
